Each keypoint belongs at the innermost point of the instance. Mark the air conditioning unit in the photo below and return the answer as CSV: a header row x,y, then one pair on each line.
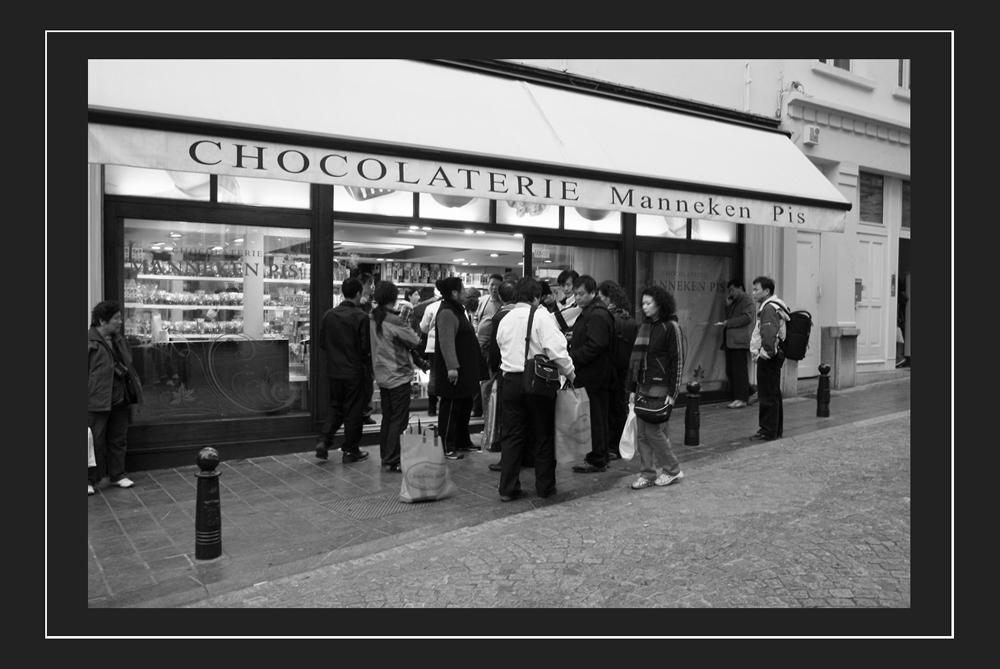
x,y
811,135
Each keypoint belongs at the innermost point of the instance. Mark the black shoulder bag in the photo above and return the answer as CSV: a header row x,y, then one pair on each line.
x,y
541,375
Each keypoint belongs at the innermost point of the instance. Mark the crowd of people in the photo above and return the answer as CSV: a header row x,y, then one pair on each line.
x,y
588,329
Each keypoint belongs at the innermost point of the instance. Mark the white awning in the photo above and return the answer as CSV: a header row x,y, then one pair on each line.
x,y
400,104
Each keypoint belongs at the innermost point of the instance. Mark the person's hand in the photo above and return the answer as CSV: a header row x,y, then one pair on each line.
x,y
721,323
631,398
453,376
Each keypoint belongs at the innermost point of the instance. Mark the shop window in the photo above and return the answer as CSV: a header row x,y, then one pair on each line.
x,y
121,180
840,63
906,205
263,192
527,214
698,284
714,231
549,260
218,318
592,220
669,227
871,190
454,208
382,201
904,73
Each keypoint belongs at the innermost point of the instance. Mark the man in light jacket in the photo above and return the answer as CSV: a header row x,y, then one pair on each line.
x,y
765,349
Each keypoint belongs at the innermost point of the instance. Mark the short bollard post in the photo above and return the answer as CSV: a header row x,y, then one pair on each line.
x,y
208,514
692,417
823,392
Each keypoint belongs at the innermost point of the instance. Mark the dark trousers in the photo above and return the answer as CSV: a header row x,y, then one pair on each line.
x,y
738,372
110,429
395,414
529,428
453,422
598,455
347,404
769,395
370,393
617,414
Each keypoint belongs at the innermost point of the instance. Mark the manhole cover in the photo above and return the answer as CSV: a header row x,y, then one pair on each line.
x,y
367,507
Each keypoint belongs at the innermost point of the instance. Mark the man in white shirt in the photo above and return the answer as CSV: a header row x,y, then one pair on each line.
x,y
528,420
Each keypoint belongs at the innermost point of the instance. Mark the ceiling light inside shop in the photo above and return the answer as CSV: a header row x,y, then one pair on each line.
x,y
414,227
475,263
379,259
426,228
238,241
175,235
518,234
480,232
465,263
167,248
469,232
520,263
494,255
216,248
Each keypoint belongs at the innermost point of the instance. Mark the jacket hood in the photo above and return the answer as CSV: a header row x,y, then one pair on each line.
x,y
783,309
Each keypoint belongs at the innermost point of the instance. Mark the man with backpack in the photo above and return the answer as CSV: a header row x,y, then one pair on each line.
x,y
766,351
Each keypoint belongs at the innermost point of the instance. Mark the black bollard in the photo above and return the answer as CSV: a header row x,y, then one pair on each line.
x,y
823,392
692,417
208,514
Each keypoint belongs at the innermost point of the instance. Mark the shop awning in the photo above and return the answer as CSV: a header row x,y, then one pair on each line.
x,y
637,158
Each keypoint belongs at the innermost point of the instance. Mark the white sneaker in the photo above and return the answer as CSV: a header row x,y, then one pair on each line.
x,y
90,489
124,483
641,482
667,479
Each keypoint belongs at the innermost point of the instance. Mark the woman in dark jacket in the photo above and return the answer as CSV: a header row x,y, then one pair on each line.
x,y
458,367
656,366
109,364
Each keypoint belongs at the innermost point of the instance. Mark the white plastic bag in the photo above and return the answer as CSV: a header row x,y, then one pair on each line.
x,y
627,445
91,460
573,440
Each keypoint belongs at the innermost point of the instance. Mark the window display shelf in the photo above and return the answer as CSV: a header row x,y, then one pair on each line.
x,y
234,279
203,307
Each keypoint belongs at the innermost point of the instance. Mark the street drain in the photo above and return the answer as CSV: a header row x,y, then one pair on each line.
x,y
367,507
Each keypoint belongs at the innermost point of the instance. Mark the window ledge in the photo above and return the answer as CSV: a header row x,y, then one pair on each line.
x,y
843,75
901,93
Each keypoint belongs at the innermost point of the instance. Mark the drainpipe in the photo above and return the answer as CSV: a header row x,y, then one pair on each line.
x,y
746,86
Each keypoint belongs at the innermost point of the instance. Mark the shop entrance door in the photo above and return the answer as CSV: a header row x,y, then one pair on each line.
x,y
807,297
870,310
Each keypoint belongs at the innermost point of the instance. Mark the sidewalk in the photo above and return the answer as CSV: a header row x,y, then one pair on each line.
x,y
285,515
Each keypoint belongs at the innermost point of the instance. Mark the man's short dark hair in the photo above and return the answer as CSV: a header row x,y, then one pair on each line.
x,y
527,290
498,277
736,282
104,311
506,291
567,274
351,287
365,278
426,293
766,282
588,283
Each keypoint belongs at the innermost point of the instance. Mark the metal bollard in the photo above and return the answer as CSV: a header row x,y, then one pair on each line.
x,y
692,417
823,392
208,513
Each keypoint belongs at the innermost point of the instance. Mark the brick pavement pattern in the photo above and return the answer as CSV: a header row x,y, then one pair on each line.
x,y
820,520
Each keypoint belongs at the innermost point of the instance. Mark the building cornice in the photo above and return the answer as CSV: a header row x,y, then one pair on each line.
x,y
812,110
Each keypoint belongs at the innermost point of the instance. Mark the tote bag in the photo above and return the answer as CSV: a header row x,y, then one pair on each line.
x,y
627,445
572,424
425,471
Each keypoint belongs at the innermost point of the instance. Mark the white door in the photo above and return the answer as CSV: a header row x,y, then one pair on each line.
x,y
807,296
870,311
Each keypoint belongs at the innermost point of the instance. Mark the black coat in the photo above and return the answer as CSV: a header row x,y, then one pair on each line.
x,y
472,365
345,338
592,347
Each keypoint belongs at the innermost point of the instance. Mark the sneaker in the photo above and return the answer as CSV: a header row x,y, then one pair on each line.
x,y
392,468
511,498
355,456
667,479
641,482
736,404
760,436
613,456
322,452
90,489
494,466
587,468
369,420
453,455
469,447
124,482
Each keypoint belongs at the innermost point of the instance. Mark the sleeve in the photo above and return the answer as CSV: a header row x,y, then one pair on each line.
x,y
447,325
485,332
364,334
428,319
599,331
674,361
553,343
770,324
407,336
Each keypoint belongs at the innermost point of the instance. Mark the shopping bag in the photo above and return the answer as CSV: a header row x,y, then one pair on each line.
x,y
628,443
489,391
425,471
573,439
91,460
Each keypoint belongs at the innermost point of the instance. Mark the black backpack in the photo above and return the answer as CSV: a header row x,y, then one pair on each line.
x,y
797,335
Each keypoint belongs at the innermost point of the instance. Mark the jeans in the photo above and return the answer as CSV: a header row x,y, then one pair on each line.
x,y
529,428
110,430
771,416
395,414
347,404
653,444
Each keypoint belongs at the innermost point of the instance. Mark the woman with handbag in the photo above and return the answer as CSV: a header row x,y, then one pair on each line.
x,y
392,341
458,366
654,379
112,386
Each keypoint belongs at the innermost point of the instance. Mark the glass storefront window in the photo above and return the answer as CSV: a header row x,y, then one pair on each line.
x,y
454,208
218,318
669,227
714,231
698,284
382,201
548,260
264,192
592,220
121,180
510,212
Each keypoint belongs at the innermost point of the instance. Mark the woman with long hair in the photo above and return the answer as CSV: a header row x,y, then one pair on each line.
x,y
655,370
392,342
458,367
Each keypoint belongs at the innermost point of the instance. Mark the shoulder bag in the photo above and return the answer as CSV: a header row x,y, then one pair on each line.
x,y
652,404
541,375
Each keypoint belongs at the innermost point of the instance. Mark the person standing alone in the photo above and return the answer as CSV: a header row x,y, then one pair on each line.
x,y
345,339
765,348
737,329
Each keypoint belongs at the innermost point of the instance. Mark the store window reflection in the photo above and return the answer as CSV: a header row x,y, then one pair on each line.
x,y
549,260
381,201
454,208
698,284
218,318
121,180
527,214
